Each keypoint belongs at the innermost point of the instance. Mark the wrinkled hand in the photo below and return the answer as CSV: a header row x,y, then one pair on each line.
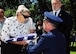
x,y
20,43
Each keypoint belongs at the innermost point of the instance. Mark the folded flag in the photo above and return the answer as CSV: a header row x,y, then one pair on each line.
x,y
31,36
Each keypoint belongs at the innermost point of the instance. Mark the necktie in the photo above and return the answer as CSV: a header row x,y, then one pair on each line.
x,y
55,13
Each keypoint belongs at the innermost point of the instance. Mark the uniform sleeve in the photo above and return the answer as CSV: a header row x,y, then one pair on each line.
x,y
5,30
38,48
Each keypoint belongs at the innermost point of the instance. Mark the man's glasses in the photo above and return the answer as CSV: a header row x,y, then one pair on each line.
x,y
25,16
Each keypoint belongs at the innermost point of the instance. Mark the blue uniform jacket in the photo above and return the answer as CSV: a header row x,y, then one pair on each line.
x,y
50,43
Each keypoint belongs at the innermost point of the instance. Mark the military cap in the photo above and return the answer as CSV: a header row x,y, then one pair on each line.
x,y
51,17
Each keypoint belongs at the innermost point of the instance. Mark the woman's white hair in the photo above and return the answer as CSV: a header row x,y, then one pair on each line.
x,y
22,8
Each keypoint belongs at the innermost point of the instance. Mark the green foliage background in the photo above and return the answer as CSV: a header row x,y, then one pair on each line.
x,y
10,7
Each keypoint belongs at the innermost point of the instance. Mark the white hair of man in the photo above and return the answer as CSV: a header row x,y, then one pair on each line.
x,y
56,4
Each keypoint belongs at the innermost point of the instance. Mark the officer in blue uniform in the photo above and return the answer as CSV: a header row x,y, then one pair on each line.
x,y
52,41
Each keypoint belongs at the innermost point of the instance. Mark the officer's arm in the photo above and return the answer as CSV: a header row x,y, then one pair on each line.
x,y
39,47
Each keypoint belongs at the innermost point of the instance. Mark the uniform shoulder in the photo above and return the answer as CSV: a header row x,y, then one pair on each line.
x,y
48,35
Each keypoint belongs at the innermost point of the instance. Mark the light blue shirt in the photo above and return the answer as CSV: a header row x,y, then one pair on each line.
x,y
1,25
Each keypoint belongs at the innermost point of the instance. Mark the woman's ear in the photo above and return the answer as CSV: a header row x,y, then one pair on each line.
x,y
19,13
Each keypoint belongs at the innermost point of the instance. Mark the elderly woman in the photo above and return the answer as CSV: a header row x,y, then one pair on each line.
x,y
21,25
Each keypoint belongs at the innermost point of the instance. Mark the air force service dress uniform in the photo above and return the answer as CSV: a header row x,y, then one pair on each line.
x,y
52,42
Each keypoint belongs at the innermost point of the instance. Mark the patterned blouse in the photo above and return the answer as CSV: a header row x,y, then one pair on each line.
x,y
12,28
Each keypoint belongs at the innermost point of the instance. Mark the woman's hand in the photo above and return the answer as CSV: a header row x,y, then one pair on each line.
x,y
20,43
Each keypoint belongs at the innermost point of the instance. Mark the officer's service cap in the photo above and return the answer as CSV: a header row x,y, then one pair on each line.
x,y
52,17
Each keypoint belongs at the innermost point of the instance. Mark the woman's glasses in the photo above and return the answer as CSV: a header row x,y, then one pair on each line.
x,y
25,16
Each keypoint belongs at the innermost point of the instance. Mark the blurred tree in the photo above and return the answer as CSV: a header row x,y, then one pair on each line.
x,y
42,5
0,0
73,11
